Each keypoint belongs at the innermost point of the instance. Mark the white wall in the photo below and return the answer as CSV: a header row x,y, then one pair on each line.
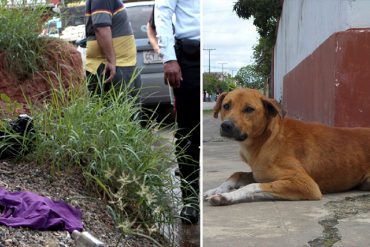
x,y
305,24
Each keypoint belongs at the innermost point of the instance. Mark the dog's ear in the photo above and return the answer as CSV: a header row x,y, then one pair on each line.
x,y
272,107
217,107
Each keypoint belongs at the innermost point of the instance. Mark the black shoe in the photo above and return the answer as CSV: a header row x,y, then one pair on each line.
x,y
189,215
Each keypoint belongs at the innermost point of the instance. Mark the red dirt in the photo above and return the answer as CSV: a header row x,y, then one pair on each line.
x,y
64,61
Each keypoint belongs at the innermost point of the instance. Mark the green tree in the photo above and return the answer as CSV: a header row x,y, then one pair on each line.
x,y
231,82
266,14
212,84
247,76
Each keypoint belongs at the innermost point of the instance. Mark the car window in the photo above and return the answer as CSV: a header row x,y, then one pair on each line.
x,y
139,16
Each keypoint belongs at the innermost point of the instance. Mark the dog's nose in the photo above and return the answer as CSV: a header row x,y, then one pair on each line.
x,y
227,126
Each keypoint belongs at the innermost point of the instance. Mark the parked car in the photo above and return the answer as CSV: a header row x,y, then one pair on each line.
x,y
154,90
52,28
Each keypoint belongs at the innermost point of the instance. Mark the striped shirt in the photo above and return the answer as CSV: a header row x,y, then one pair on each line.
x,y
112,13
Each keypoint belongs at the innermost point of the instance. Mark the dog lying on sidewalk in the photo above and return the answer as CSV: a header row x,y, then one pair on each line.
x,y
289,159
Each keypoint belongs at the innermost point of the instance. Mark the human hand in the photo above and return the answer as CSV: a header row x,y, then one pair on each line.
x,y
172,73
157,50
110,70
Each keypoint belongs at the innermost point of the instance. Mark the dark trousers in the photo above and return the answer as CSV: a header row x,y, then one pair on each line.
x,y
122,79
187,103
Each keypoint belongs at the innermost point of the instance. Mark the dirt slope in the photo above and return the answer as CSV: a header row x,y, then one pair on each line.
x,y
63,61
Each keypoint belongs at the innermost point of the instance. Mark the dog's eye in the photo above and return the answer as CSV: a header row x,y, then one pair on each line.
x,y
248,109
226,106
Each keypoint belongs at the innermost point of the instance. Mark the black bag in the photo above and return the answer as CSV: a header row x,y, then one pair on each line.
x,y
16,138
82,43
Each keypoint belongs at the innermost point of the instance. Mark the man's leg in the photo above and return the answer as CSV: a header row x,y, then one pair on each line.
x,y
125,76
129,78
94,83
187,100
188,141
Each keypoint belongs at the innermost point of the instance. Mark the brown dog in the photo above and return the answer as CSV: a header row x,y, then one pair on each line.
x,y
290,159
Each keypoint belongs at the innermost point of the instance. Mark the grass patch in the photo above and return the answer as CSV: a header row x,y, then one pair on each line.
x,y
20,26
208,112
126,164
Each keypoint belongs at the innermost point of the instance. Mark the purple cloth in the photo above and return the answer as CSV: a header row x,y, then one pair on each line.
x,y
28,209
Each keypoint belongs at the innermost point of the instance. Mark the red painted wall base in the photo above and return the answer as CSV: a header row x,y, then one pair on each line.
x,y
332,85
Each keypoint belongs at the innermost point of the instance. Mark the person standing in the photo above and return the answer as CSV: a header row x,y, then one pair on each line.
x,y
152,33
111,49
181,57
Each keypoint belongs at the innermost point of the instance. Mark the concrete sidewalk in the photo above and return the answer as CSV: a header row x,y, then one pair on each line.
x,y
337,220
208,105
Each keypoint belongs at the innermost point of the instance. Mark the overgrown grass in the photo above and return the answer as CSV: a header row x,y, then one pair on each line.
x,y
129,164
20,26
103,136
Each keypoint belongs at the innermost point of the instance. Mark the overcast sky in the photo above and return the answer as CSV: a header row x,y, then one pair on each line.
x,y
231,36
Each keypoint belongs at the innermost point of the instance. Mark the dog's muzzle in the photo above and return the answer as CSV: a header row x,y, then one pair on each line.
x,y
228,129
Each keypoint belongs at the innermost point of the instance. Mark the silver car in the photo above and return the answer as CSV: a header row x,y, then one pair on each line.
x,y
154,90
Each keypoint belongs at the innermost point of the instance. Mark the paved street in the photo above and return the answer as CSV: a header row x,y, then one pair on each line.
x,y
340,219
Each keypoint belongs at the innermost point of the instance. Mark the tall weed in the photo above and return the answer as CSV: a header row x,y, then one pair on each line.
x,y
128,164
20,26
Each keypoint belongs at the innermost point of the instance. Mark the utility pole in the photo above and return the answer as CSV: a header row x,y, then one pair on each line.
x,y
209,59
222,66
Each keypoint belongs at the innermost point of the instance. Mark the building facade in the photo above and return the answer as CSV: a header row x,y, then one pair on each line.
x,y
321,64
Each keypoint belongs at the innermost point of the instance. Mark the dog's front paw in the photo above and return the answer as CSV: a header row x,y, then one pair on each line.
x,y
219,200
219,190
210,193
